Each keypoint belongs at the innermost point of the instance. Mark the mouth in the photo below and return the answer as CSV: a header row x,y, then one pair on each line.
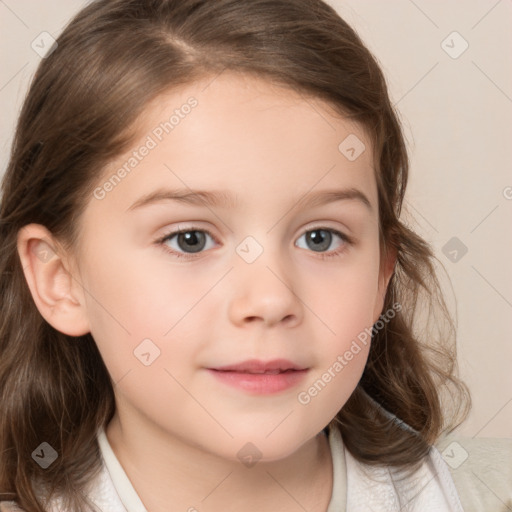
x,y
256,366
260,377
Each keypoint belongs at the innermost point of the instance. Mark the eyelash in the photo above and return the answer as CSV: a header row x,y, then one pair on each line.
x,y
322,255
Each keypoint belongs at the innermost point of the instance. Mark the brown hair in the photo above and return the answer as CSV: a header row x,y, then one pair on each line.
x,y
112,59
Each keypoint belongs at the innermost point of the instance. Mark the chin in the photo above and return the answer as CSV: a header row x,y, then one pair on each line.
x,y
278,445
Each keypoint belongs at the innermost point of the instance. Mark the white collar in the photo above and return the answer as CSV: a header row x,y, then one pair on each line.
x,y
124,488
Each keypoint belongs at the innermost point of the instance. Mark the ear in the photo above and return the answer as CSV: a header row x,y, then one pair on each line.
x,y
387,267
57,294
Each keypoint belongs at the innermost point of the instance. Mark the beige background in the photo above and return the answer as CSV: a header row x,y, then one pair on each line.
x,y
457,115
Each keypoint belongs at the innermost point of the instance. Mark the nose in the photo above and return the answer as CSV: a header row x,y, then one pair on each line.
x,y
263,293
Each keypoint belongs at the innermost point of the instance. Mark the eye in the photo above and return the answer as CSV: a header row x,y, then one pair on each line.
x,y
320,239
186,241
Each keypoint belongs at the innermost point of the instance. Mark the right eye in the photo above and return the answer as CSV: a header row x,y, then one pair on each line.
x,y
184,243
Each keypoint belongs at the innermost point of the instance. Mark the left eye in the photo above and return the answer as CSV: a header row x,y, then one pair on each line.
x,y
320,239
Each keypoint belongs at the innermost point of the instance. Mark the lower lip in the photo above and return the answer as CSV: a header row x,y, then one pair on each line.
x,y
260,383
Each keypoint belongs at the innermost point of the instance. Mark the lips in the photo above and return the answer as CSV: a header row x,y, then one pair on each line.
x,y
256,367
260,377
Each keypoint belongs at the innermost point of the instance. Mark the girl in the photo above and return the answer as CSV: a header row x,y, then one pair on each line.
x,y
209,301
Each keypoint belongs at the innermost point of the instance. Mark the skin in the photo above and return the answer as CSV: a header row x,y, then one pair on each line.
x,y
175,422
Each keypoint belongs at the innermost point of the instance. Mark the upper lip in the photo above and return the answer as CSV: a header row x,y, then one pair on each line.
x,y
257,366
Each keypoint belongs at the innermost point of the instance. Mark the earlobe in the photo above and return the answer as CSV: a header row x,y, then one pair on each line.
x,y
53,288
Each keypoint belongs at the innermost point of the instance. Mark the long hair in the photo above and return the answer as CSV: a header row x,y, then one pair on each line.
x,y
111,60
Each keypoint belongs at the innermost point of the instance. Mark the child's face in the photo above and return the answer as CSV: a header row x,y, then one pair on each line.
x,y
256,289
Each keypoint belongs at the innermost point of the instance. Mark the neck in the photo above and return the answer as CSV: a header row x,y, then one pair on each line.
x,y
169,474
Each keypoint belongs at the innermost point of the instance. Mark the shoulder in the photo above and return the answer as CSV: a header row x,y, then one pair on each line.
x,y
481,471
379,487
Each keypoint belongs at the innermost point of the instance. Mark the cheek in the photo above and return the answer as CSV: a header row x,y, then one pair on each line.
x,y
142,319
342,353
138,291
137,309
343,297
344,302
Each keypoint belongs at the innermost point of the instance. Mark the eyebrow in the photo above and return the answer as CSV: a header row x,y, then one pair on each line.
x,y
218,198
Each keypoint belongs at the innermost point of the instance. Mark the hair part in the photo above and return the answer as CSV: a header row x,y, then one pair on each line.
x,y
114,58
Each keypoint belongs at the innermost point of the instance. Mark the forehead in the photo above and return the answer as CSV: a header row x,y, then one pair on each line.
x,y
247,134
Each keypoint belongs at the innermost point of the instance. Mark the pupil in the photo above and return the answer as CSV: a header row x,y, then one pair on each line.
x,y
322,240
192,241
